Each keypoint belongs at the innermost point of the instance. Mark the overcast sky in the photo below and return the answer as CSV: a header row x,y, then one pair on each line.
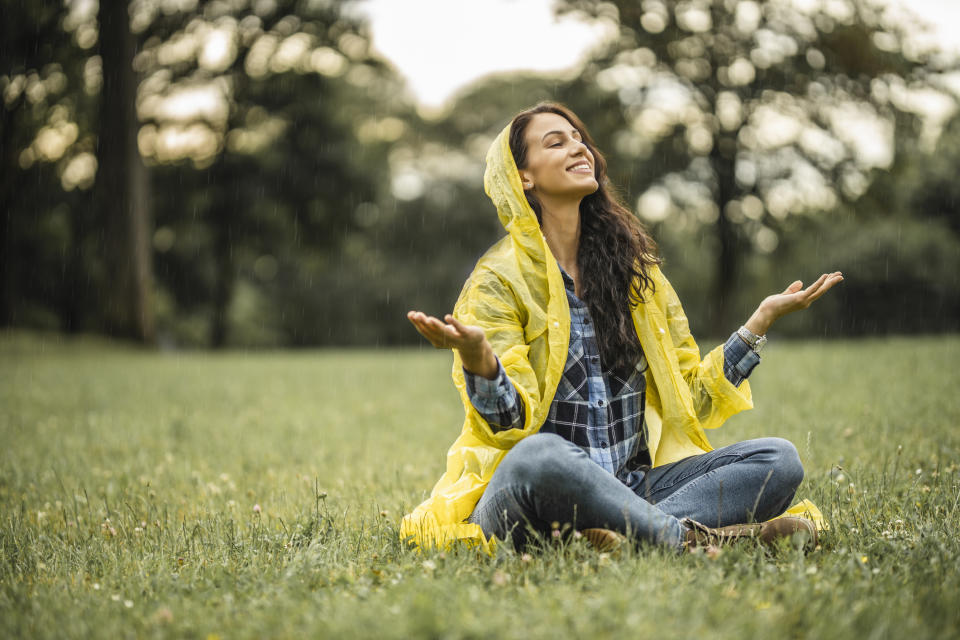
x,y
477,37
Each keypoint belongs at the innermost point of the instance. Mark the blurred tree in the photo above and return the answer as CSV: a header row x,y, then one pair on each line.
x,y
938,194
900,245
277,170
745,113
252,115
121,192
300,199
48,75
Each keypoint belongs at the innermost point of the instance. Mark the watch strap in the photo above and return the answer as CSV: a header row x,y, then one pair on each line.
x,y
756,342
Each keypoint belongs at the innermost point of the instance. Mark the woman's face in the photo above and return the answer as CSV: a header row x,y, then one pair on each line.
x,y
559,164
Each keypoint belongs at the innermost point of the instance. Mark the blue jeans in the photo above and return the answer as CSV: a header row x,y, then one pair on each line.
x,y
546,479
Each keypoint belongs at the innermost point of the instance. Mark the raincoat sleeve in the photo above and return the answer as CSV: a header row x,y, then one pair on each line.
x,y
489,303
714,397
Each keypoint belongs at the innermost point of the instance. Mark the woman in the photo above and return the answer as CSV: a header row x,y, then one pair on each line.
x,y
585,396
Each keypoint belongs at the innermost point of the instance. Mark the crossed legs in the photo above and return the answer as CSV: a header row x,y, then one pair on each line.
x,y
546,479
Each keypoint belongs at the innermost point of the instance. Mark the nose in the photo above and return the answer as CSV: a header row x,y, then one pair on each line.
x,y
578,148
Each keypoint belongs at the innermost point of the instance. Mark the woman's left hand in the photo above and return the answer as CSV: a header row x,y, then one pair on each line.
x,y
793,298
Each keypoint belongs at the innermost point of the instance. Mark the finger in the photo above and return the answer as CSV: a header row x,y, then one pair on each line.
x,y
462,330
419,317
795,286
832,279
419,320
459,325
433,340
429,330
435,326
430,334
447,335
441,326
821,285
806,295
423,319
414,318
816,285
827,285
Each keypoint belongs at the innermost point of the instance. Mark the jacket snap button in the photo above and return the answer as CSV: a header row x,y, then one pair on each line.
x,y
662,330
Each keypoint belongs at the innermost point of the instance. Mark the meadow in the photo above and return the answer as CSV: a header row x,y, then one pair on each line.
x,y
258,494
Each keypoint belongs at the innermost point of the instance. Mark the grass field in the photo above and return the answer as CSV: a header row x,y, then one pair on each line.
x,y
259,494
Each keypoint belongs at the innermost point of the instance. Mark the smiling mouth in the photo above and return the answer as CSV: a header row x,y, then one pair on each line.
x,y
581,167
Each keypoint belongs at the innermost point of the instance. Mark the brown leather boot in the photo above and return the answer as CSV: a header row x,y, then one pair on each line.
x,y
700,535
799,529
604,540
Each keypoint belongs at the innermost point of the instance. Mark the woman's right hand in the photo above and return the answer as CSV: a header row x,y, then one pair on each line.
x,y
475,351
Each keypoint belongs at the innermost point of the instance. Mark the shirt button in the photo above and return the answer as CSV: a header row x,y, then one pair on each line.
x,y
604,445
599,403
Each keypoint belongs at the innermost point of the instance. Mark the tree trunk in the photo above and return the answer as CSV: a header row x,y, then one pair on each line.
x,y
722,159
6,267
75,288
11,169
225,278
121,188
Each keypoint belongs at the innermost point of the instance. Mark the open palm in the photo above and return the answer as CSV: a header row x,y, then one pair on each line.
x,y
447,334
793,298
475,351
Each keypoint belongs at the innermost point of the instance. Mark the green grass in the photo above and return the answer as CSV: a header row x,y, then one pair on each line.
x,y
128,482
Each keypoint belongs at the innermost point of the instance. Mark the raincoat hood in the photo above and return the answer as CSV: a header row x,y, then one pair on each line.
x,y
501,182
516,294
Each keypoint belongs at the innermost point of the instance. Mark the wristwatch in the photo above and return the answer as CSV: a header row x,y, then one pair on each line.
x,y
753,340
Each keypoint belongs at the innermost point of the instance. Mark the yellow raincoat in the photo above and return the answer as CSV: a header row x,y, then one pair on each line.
x,y
517,295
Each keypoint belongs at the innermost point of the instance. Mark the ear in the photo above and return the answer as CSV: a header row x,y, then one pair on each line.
x,y
526,180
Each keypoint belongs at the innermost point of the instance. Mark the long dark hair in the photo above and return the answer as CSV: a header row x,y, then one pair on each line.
x,y
615,250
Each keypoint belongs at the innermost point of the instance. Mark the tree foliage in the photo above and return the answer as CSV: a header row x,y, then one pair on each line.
x,y
293,195
249,116
46,150
742,115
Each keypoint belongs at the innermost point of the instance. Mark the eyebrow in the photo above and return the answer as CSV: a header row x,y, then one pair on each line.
x,y
576,131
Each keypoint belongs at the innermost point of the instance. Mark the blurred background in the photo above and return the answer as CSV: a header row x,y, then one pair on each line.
x,y
285,173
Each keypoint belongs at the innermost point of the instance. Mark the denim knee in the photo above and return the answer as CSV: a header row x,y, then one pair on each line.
x,y
785,462
538,458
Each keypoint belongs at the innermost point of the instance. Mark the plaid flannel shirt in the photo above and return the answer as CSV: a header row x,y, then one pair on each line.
x,y
599,411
